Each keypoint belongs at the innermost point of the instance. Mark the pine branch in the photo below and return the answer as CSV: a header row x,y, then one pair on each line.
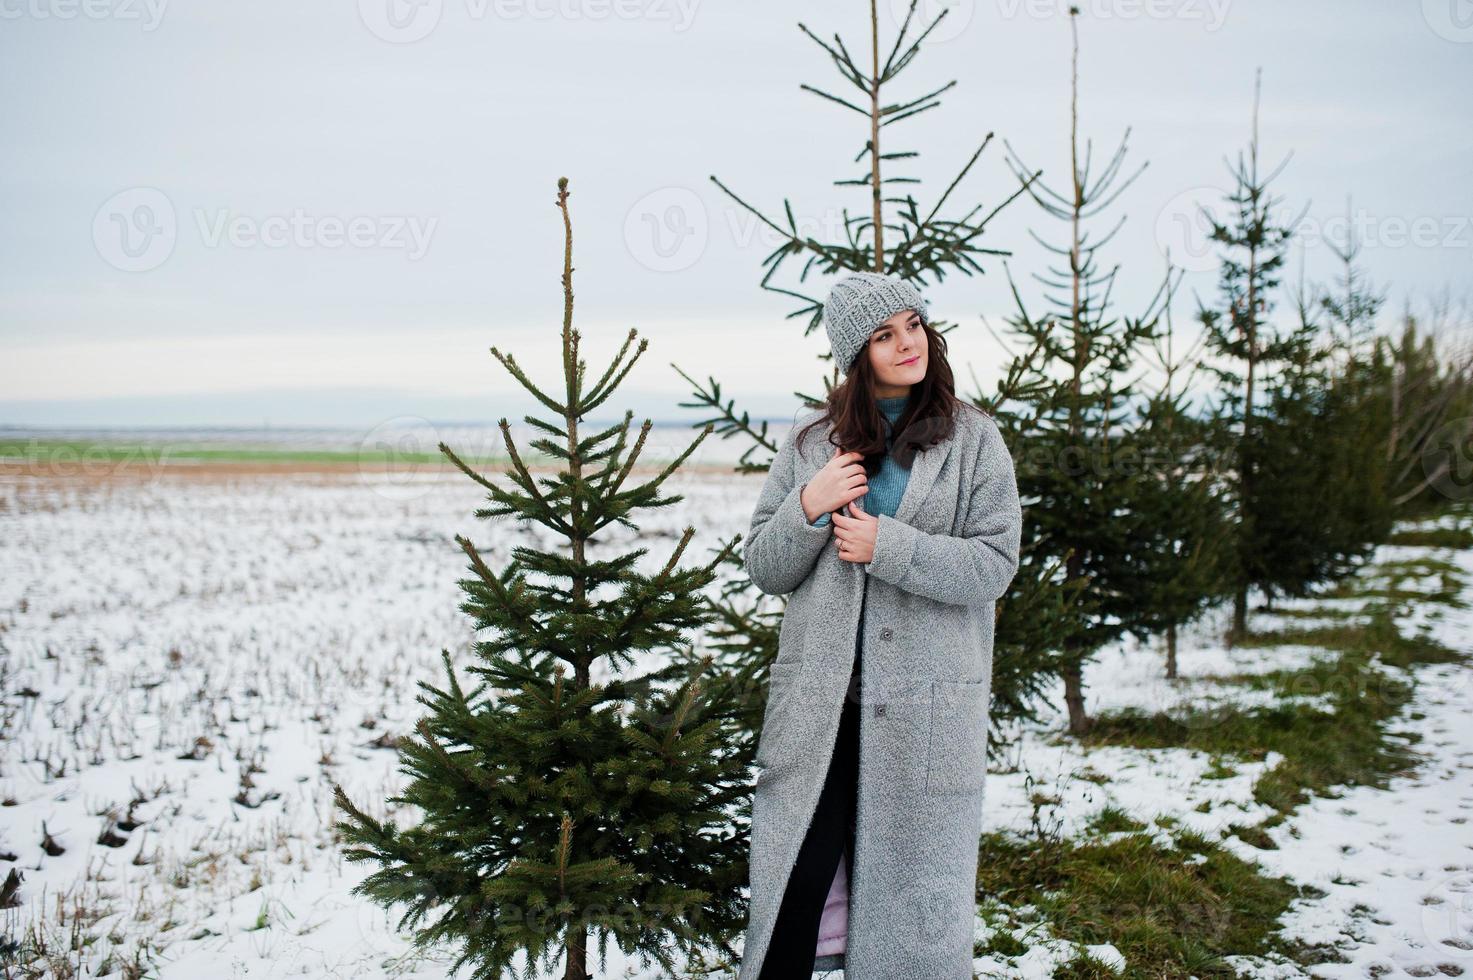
x,y
510,363
832,98
598,386
466,469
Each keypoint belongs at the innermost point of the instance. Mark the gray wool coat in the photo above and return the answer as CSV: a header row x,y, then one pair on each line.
x,y
939,566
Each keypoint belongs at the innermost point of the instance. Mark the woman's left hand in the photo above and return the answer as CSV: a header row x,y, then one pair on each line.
x,y
855,536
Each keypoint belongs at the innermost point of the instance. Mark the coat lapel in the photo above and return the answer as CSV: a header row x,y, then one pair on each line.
x,y
923,468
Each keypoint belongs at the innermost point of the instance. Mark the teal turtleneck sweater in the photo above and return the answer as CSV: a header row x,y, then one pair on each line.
x,y
886,486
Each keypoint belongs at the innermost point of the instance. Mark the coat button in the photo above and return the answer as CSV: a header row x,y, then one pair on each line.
x,y
886,633
880,710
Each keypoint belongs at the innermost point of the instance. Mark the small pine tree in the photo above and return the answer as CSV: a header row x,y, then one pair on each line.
x,y
1427,403
1320,475
1254,247
1362,474
1353,304
1181,544
1071,418
555,806
1293,448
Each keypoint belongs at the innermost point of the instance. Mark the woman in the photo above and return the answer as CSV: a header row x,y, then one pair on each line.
x,y
892,517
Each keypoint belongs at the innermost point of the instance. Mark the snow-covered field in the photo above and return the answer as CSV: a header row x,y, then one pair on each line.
x,y
188,664
1397,864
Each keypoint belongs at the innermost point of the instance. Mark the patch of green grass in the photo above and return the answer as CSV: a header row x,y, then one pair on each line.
x,y
1449,576
1113,820
1254,835
1420,566
1311,612
1434,537
1328,721
1172,909
1085,967
1001,944
1219,769
1389,581
1376,634
73,452
1391,594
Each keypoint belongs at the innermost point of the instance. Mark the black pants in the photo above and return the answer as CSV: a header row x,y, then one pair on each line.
x,y
791,952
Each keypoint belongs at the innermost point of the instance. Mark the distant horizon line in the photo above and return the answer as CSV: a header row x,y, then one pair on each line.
x,y
303,426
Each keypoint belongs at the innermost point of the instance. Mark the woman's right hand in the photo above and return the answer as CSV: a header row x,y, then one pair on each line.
x,y
841,480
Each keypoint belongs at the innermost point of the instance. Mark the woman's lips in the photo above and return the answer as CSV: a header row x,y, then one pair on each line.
x,y
912,360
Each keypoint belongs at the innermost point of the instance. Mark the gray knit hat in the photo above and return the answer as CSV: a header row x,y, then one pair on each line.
x,y
858,304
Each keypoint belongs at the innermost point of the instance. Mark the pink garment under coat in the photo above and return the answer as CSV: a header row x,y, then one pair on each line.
x,y
833,928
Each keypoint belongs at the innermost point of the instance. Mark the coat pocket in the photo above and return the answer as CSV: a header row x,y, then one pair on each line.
x,y
782,680
957,755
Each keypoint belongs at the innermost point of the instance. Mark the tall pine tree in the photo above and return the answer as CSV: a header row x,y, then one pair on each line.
x,y
1361,474
1070,417
894,234
1182,555
1310,467
1254,245
556,809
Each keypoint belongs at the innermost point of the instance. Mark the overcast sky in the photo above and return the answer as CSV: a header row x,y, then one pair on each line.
x,y
330,211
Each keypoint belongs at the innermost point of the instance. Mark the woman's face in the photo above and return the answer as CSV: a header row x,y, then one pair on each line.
x,y
897,353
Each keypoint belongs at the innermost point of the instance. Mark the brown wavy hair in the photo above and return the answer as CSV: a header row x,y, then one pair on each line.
x,y
929,416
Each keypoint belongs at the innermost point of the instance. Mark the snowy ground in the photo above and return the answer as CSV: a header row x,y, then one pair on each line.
x,y
1397,864
188,664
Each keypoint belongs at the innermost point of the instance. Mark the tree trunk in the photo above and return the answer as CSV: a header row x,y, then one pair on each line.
x,y
577,945
1079,722
1171,651
1240,615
